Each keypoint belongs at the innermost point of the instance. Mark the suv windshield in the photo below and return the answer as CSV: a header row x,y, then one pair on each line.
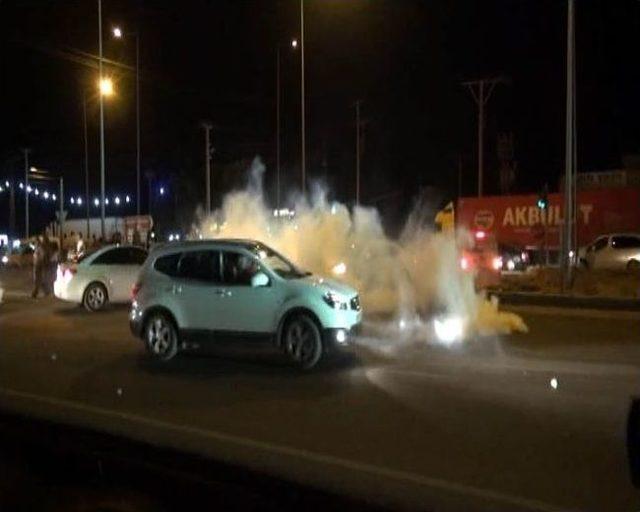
x,y
279,264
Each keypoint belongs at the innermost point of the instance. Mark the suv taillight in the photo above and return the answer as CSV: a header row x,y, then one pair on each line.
x,y
135,289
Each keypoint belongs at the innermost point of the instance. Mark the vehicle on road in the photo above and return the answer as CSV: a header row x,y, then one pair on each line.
x,y
482,258
617,251
100,277
18,255
190,293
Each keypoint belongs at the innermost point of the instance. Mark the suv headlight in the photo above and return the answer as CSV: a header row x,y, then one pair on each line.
x,y
335,300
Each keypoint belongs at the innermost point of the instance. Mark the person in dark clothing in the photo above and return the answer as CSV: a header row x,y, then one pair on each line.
x,y
39,267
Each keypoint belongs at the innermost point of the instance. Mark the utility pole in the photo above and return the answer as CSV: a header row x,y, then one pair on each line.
x,y
137,128
26,192
481,91
12,208
86,160
459,176
102,164
570,155
302,95
207,159
358,103
278,127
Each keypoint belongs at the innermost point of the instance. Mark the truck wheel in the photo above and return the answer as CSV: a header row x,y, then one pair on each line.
x,y
302,341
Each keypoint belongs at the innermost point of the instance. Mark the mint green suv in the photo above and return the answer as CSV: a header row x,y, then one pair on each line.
x,y
191,293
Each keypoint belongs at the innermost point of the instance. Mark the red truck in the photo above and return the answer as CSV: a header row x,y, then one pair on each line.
x,y
517,223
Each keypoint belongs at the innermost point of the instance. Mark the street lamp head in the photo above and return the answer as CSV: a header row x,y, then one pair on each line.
x,y
117,32
33,169
294,43
106,86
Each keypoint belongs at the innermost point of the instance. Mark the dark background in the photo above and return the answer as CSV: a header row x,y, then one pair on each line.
x,y
405,59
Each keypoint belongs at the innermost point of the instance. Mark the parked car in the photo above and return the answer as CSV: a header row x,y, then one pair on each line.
x,y
482,258
106,275
618,251
191,293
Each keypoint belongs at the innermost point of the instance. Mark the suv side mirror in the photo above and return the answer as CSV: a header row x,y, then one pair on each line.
x,y
259,280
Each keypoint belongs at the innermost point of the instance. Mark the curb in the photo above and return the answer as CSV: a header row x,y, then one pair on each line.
x,y
566,301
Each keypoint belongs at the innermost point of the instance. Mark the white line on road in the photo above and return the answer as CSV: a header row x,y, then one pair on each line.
x,y
305,455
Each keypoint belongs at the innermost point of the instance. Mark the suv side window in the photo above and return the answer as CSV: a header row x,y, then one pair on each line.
x,y
200,266
600,243
136,256
168,265
116,256
625,242
238,268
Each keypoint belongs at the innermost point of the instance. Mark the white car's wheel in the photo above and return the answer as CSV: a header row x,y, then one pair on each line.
x,y
161,337
302,341
95,297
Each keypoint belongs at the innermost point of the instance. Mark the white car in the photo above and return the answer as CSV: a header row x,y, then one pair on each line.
x,y
192,293
613,252
106,275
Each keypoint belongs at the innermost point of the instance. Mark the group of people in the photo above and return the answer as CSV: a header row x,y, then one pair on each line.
x,y
48,253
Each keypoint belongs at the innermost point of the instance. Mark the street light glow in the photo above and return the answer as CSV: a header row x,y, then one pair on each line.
x,y
96,202
106,87
79,201
33,169
117,200
161,191
117,32
294,43
127,199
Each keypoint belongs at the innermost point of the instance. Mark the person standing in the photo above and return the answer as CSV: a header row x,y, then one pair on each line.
x,y
38,267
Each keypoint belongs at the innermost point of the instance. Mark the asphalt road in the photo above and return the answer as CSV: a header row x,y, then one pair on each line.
x,y
409,424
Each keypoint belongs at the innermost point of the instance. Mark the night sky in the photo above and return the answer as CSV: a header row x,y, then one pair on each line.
x,y
405,59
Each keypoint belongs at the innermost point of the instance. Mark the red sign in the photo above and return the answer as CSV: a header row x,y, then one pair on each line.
x,y
517,220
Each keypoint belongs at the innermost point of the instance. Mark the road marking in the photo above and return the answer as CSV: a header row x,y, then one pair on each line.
x,y
378,471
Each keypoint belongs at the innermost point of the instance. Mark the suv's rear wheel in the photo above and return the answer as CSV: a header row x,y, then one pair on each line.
x,y
633,265
95,297
302,341
161,337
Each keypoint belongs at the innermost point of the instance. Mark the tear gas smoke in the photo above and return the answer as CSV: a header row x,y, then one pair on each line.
x,y
416,275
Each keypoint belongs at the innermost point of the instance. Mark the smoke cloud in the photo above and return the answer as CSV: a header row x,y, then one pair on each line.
x,y
411,277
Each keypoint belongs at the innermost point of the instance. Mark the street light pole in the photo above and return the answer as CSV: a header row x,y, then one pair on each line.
x,y
102,171
278,127
302,96
358,151
86,161
570,155
207,129
61,213
137,124
26,192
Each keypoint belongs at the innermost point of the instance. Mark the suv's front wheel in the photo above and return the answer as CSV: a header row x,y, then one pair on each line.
x,y
302,341
161,337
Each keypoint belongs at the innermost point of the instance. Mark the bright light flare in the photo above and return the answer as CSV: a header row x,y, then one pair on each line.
x,y
117,32
553,383
448,329
480,235
339,269
464,263
294,43
496,263
105,87
511,265
5,259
